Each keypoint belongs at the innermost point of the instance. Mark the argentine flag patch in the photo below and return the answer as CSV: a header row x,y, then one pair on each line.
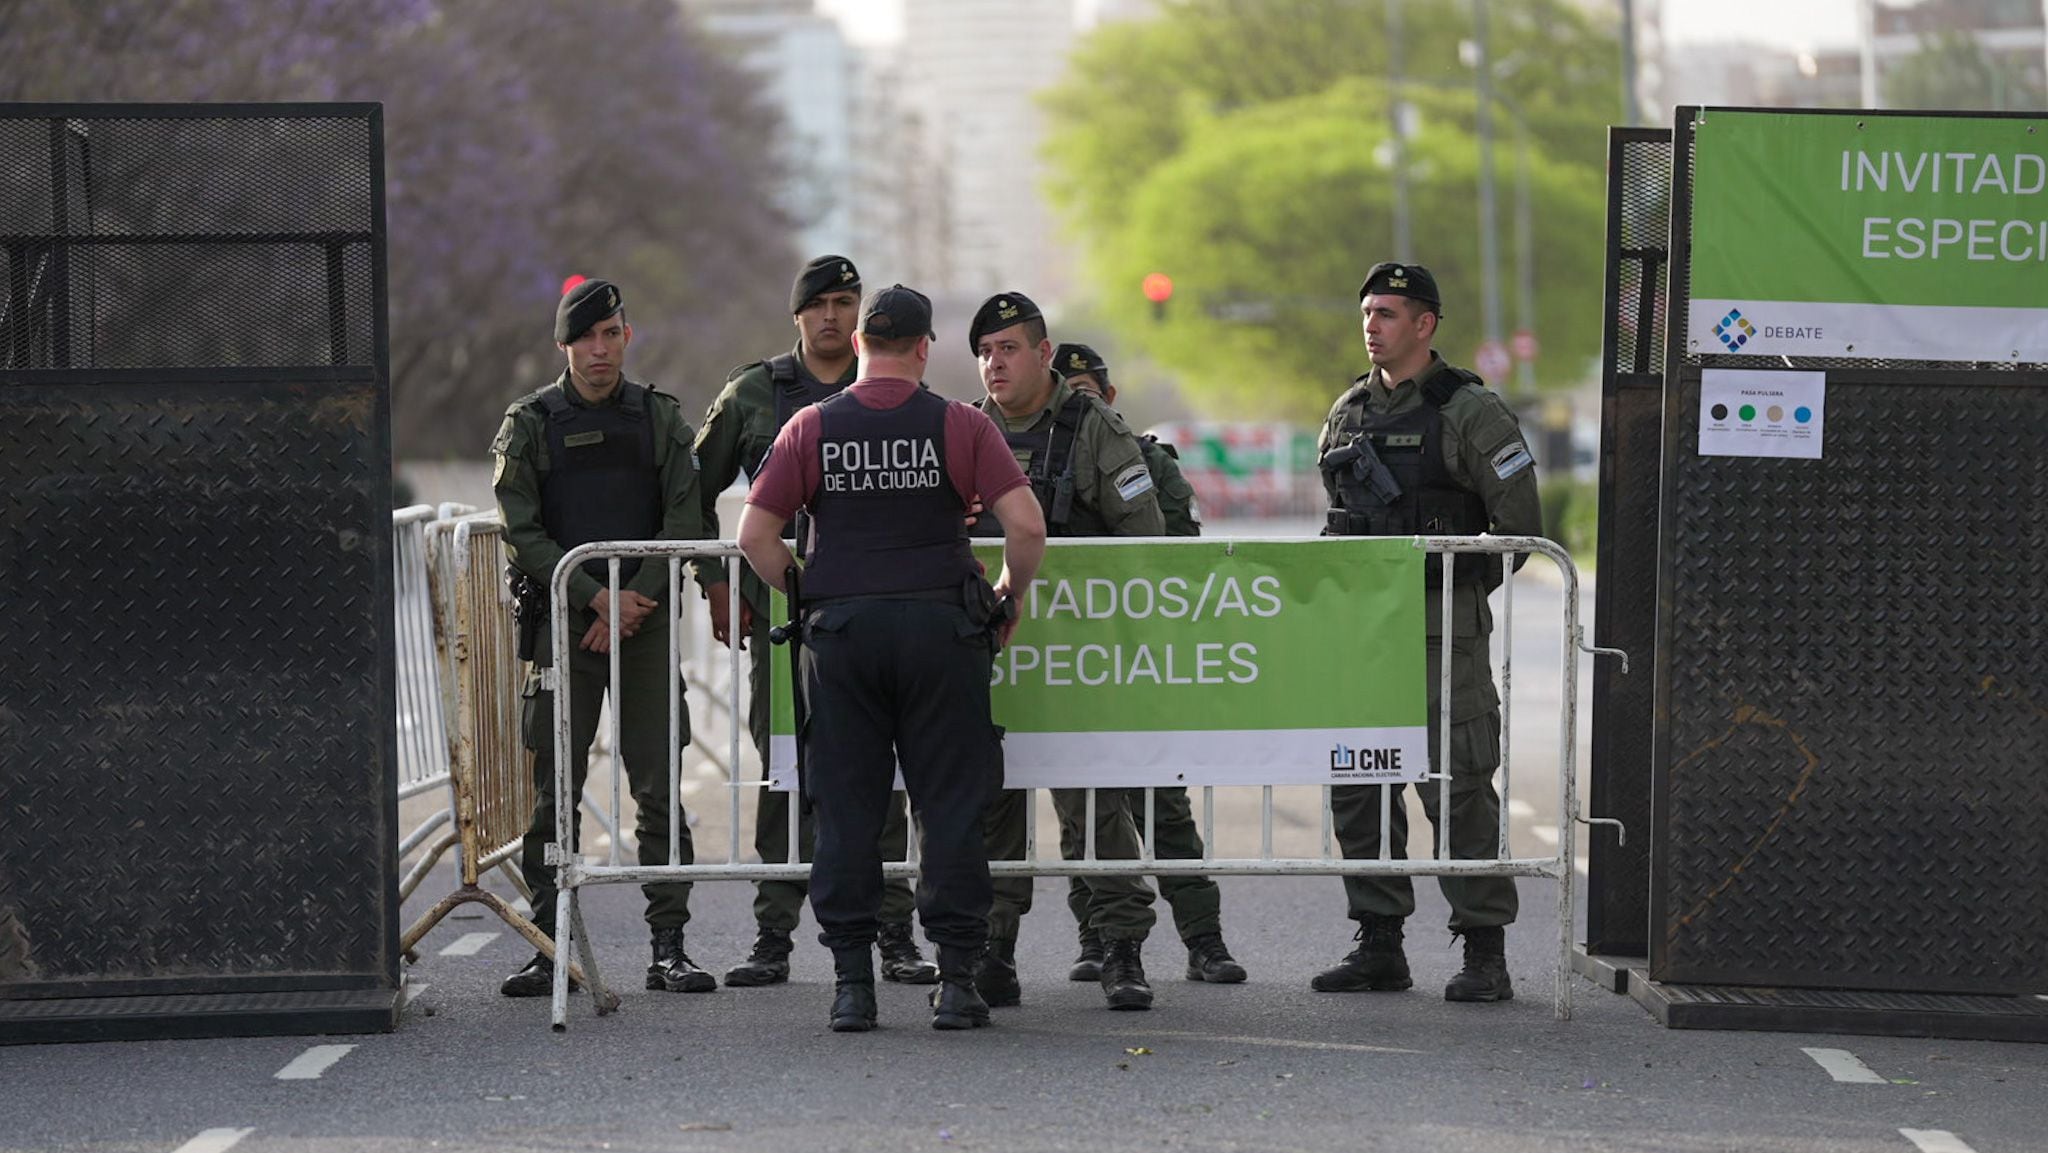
x,y
1134,482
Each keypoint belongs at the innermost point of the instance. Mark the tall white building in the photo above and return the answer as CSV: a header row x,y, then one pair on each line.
x,y
971,69
810,74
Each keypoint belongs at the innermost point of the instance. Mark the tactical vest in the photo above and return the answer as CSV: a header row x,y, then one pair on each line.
x,y
603,482
887,517
1410,443
793,389
1051,473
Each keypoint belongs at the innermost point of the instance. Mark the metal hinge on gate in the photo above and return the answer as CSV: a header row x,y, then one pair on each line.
x,y
1620,830
1597,651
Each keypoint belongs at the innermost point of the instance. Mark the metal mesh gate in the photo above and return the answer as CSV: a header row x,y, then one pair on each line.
x,y
1625,612
195,508
1851,681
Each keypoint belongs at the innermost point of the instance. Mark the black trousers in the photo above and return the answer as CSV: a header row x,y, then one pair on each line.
x,y
892,683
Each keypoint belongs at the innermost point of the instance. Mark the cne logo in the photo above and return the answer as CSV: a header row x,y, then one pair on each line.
x,y
1734,329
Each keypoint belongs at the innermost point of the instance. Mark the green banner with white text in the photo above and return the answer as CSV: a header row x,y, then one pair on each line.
x,y
1907,237
1204,662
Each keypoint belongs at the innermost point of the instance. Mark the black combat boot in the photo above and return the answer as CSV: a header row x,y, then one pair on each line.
x,y
768,964
672,968
853,994
901,962
1210,960
995,974
1377,965
955,1004
1123,974
1485,975
1088,966
536,980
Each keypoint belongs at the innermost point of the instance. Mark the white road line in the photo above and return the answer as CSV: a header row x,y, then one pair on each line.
x,y
468,944
1545,833
1842,1065
1936,1141
308,1065
1236,1039
214,1140
1517,807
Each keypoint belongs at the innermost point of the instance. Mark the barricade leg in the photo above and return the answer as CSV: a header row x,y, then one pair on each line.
x,y
601,998
425,865
565,930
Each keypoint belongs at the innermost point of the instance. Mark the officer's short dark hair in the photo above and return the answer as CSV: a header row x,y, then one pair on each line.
x,y
1035,331
889,345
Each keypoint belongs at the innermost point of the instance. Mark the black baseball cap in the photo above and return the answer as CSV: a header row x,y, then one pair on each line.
x,y
897,312
1392,278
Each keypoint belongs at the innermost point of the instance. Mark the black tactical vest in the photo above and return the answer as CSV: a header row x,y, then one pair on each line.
x,y
1410,444
602,481
1051,473
793,389
887,518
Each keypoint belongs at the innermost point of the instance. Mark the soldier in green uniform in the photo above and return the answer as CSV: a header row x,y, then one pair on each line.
x,y
757,401
1461,467
1090,478
595,456
1196,902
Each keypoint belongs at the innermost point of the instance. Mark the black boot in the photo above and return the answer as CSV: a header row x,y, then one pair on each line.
x,y
672,968
1377,965
1123,974
1485,975
1210,960
768,964
955,1004
901,962
537,979
995,974
1088,966
853,994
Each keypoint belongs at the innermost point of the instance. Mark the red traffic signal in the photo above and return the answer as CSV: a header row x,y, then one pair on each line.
x,y
1158,287
570,283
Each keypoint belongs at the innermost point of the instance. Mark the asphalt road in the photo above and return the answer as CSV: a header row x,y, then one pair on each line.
x,y
1268,1065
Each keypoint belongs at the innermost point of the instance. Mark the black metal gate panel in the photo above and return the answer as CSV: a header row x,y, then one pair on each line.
x,y
196,739
1625,611
1851,699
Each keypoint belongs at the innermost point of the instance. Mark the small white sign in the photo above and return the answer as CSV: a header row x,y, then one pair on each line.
x,y
1759,412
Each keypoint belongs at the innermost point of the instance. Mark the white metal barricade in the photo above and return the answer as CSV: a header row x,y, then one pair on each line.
x,y
1557,865
422,723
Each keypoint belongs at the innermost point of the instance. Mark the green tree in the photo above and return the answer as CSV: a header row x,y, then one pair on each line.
x,y
1952,70
1234,147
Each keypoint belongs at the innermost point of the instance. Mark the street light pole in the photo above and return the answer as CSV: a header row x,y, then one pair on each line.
x,y
1489,236
1398,122
1629,112
1525,260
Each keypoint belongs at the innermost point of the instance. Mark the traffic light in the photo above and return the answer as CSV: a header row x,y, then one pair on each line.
x,y
1158,289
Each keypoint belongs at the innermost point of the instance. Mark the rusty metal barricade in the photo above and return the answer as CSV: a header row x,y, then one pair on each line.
x,y
490,769
1558,865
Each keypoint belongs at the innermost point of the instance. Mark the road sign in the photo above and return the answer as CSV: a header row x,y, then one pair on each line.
x,y
1523,344
1492,360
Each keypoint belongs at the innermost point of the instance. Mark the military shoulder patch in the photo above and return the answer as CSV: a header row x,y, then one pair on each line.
x,y
1512,458
1134,482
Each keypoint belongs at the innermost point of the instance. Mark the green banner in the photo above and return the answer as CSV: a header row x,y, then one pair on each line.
x,y
1866,235
1205,662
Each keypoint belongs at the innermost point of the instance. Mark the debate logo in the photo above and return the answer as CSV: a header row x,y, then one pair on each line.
x,y
1734,329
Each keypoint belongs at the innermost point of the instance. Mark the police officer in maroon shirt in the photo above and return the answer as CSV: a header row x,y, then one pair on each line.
x,y
899,631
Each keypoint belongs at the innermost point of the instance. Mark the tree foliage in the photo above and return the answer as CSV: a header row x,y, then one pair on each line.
x,y
524,141
1234,147
1953,70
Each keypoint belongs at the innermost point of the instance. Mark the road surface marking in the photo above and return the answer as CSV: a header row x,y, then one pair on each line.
x,y
1234,1039
411,994
308,1065
1517,807
1545,833
214,1141
1842,1065
1936,1141
468,944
